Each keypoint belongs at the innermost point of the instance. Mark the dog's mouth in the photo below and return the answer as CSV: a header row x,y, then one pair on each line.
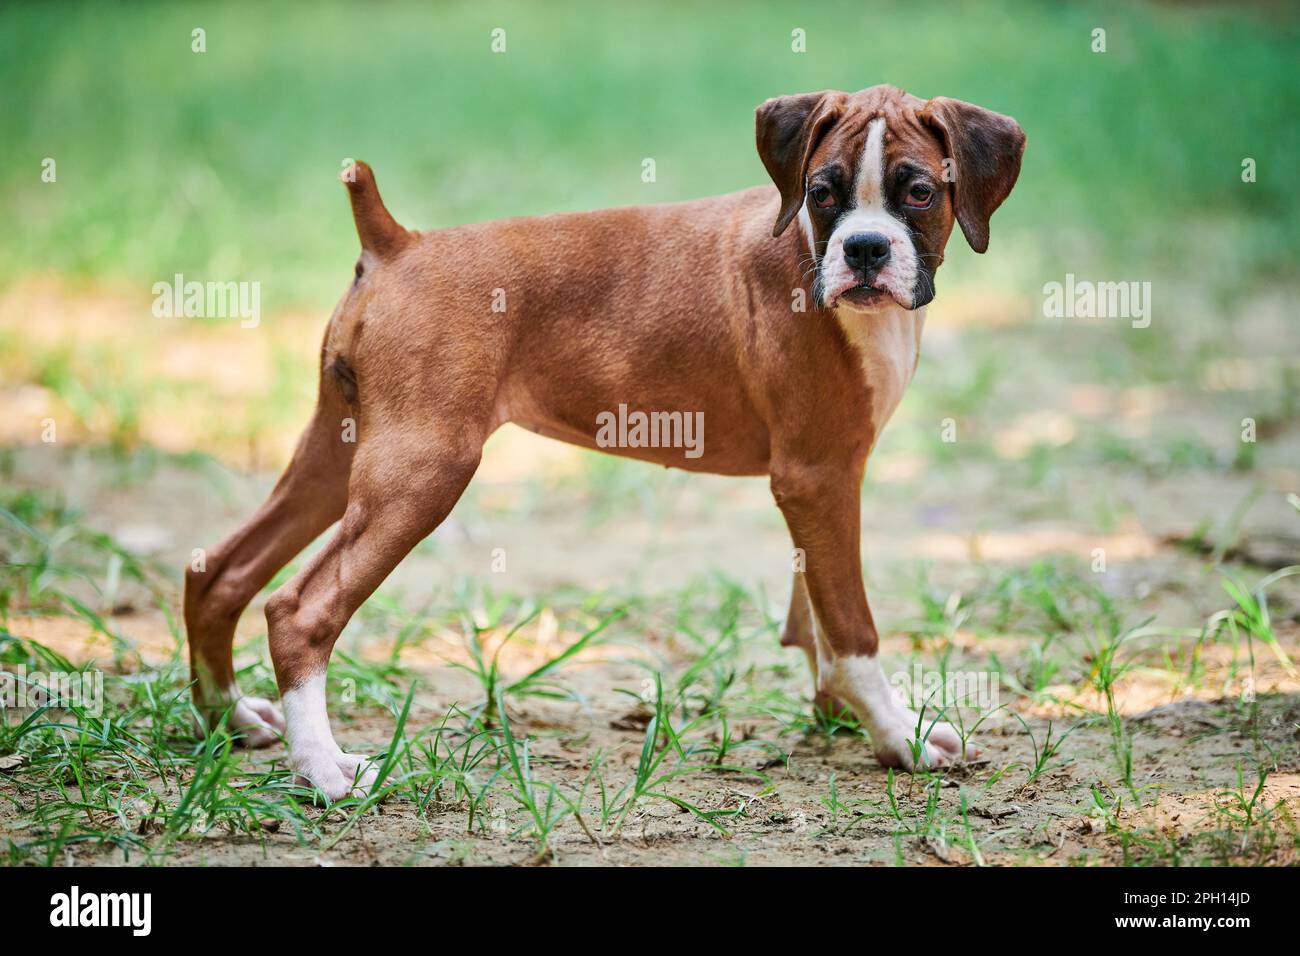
x,y
864,295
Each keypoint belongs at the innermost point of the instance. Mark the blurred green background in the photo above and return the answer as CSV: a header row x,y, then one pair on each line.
x,y
222,164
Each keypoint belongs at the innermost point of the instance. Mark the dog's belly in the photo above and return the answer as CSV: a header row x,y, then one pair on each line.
x,y
672,438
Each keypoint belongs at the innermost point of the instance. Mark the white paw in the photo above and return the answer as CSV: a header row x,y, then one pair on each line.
x,y
335,773
899,738
252,721
906,744
256,722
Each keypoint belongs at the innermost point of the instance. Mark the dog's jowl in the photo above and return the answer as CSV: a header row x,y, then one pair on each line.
x,y
561,324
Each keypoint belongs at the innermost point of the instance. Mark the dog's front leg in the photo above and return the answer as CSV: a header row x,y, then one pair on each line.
x,y
820,505
799,632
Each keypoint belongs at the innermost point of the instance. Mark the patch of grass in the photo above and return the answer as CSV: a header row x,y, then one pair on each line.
x,y
53,564
543,802
537,682
1045,753
133,779
136,784
655,771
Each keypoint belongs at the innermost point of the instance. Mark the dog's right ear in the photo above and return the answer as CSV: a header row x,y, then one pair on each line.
x,y
788,129
378,230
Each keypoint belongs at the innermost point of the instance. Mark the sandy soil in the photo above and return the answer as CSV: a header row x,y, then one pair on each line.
x,y
1026,488
1188,741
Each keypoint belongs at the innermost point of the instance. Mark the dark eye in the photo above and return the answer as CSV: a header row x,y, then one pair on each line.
x,y
822,197
360,269
919,196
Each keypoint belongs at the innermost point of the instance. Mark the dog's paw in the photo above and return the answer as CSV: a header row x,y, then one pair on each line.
x,y
336,774
904,745
256,722
251,721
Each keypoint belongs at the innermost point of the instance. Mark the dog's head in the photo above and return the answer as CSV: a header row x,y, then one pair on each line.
x,y
876,178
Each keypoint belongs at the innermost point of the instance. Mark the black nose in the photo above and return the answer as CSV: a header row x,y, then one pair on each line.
x,y
864,251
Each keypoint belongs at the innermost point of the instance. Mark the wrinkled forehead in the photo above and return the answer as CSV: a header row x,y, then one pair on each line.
x,y
905,137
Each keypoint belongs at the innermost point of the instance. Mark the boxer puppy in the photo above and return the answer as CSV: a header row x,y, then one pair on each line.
x,y
794,345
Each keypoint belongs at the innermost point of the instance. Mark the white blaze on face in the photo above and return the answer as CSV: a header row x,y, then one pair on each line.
x,y
868,214
869,186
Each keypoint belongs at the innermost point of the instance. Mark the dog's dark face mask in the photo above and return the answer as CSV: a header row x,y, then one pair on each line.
x,y
875,180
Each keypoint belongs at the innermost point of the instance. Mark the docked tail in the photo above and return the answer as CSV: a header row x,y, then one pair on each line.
x,y
378,230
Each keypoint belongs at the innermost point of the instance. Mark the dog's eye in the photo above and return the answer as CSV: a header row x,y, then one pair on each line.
x,y
822,197
918,197
360,269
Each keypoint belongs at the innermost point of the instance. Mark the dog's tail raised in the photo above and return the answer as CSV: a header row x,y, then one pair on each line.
x,y
378,230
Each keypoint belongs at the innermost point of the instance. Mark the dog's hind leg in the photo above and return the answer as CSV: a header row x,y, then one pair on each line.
x,y
308,498
798,632
404,483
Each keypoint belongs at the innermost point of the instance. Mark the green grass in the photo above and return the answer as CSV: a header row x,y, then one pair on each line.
x,y
137,786
136,782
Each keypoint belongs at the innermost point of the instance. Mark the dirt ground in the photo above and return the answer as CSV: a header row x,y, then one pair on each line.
x,y
985,562
1188,742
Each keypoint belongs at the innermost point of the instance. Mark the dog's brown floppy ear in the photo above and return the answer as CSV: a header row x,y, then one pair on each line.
x,y
377,229
986,147
788,129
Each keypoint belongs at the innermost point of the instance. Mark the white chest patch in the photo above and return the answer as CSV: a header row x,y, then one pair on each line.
x,y
888,344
